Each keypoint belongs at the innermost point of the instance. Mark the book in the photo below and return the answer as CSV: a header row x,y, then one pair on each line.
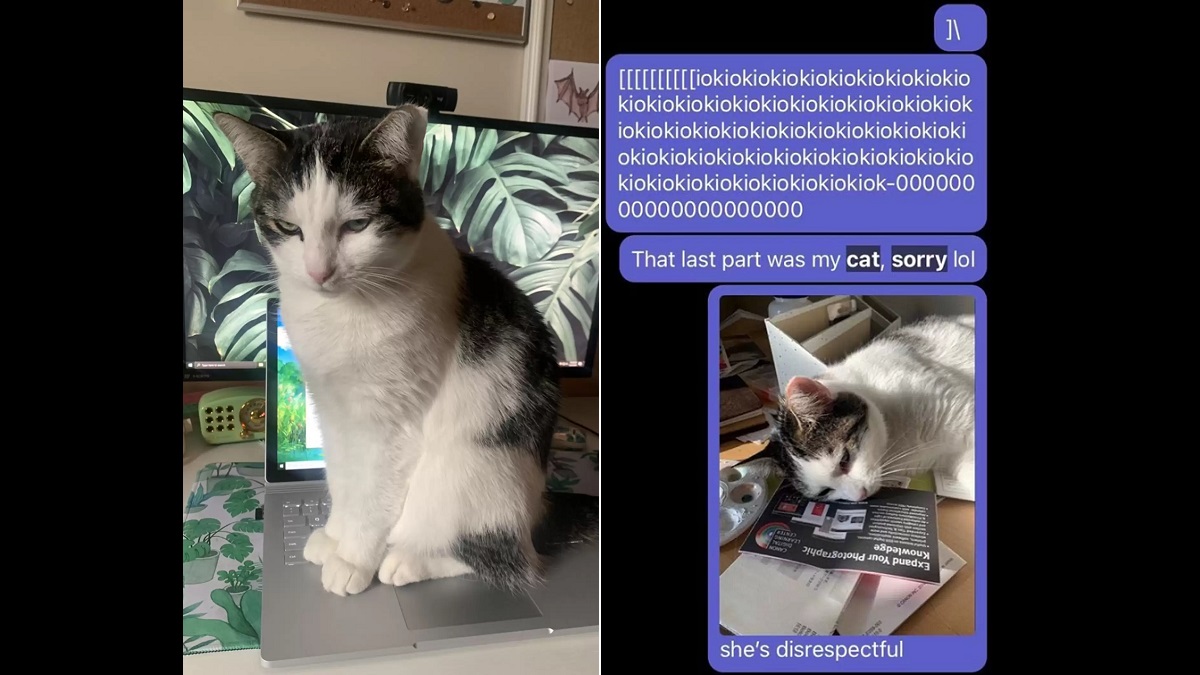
x,y
738,403
894,533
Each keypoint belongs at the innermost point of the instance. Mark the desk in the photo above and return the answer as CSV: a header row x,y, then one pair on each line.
x,y
569,655
950,611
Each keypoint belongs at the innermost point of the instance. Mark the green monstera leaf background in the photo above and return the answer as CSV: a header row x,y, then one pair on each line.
x,y
526,202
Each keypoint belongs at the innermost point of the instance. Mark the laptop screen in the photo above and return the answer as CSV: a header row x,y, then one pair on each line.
x,y
298,444
294,446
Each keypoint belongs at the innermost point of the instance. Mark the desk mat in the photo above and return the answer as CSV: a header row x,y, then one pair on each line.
x,y
222,566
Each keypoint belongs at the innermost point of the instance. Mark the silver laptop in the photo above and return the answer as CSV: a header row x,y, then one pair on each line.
x,y
302,623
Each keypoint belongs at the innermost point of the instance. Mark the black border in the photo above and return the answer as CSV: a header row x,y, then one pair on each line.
x,y
274,473
301,105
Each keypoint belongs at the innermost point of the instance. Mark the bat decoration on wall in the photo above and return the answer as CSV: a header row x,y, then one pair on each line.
x,y
581,103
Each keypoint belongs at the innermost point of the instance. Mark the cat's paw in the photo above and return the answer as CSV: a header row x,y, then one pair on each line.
x,y
320,547
361,552
341,578
399,569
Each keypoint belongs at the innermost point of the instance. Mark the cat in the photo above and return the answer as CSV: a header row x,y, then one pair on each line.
x,y
435,378
901,405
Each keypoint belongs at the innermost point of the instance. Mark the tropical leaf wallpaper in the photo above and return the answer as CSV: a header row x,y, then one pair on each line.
x,y
527,202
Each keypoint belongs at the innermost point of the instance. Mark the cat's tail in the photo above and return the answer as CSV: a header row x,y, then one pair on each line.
x,y
570,519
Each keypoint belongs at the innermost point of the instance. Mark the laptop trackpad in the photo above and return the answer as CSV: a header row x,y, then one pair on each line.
x,y
460,601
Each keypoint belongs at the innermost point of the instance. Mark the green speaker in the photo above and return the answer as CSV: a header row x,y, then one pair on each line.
x,y
233,415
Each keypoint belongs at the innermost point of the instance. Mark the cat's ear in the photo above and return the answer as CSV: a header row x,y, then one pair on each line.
x,y
259,149
808,398
400,138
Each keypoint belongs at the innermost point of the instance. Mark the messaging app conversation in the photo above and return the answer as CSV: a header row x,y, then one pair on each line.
x,y
834,210
796,143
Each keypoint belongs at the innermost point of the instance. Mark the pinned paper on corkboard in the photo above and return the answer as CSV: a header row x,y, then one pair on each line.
x,y
571,94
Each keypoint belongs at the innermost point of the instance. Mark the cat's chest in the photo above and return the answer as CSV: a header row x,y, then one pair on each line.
x,y
329,344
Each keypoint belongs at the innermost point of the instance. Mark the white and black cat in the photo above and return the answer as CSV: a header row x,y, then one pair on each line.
x,y
435,377
901,405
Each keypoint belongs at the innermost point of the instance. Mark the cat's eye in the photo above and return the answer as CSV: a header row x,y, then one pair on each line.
x,y
844,465
824,493
357,225
286,227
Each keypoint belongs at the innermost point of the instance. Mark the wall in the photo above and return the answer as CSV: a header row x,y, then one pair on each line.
x,y
228,50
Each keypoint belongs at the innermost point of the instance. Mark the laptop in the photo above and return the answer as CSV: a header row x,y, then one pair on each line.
x,y
302,623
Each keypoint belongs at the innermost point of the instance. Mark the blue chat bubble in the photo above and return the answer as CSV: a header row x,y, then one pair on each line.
x,y
802,259
796,143
806,653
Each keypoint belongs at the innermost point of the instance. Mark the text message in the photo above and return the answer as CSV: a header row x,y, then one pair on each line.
x,y
802,258
786,649
796,143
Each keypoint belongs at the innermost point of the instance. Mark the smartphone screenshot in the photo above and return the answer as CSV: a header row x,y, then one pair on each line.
x,y
796,220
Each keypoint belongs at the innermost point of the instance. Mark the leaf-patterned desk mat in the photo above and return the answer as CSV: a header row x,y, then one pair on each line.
x,y
222,563
222,560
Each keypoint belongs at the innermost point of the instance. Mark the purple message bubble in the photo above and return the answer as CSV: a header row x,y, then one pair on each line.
x,y
802,259
960,28
795,143
874,654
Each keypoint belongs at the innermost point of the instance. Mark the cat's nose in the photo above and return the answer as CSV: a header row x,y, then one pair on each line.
x,y
321,276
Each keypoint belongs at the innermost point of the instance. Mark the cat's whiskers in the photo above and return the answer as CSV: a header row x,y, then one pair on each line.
x,y
899,470
390,283
893,461
893,444
899,460
374,290
387,273
908,453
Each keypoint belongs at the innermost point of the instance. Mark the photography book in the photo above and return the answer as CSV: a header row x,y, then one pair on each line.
x,y
894,533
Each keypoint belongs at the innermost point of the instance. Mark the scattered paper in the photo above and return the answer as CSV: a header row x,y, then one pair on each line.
x,y
961,486
741,315
879,605
761,596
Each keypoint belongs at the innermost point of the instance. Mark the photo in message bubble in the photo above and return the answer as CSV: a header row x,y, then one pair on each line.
x,y
871,395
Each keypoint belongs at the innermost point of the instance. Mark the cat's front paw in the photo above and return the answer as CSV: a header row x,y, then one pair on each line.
x,y
341,578
363,552
320,547
399,569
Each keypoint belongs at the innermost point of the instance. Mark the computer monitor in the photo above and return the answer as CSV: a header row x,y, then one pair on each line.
x,y
524,196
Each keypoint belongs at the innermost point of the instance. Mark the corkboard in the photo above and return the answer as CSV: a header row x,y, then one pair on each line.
x,y
458,18
575,31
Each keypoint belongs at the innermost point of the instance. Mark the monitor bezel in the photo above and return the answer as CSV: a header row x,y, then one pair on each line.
x,y
274,473
302,105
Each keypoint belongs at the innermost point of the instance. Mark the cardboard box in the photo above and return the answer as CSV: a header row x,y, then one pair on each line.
x,y
806,340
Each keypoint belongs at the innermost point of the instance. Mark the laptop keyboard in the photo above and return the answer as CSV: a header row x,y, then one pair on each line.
x,y
302,515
